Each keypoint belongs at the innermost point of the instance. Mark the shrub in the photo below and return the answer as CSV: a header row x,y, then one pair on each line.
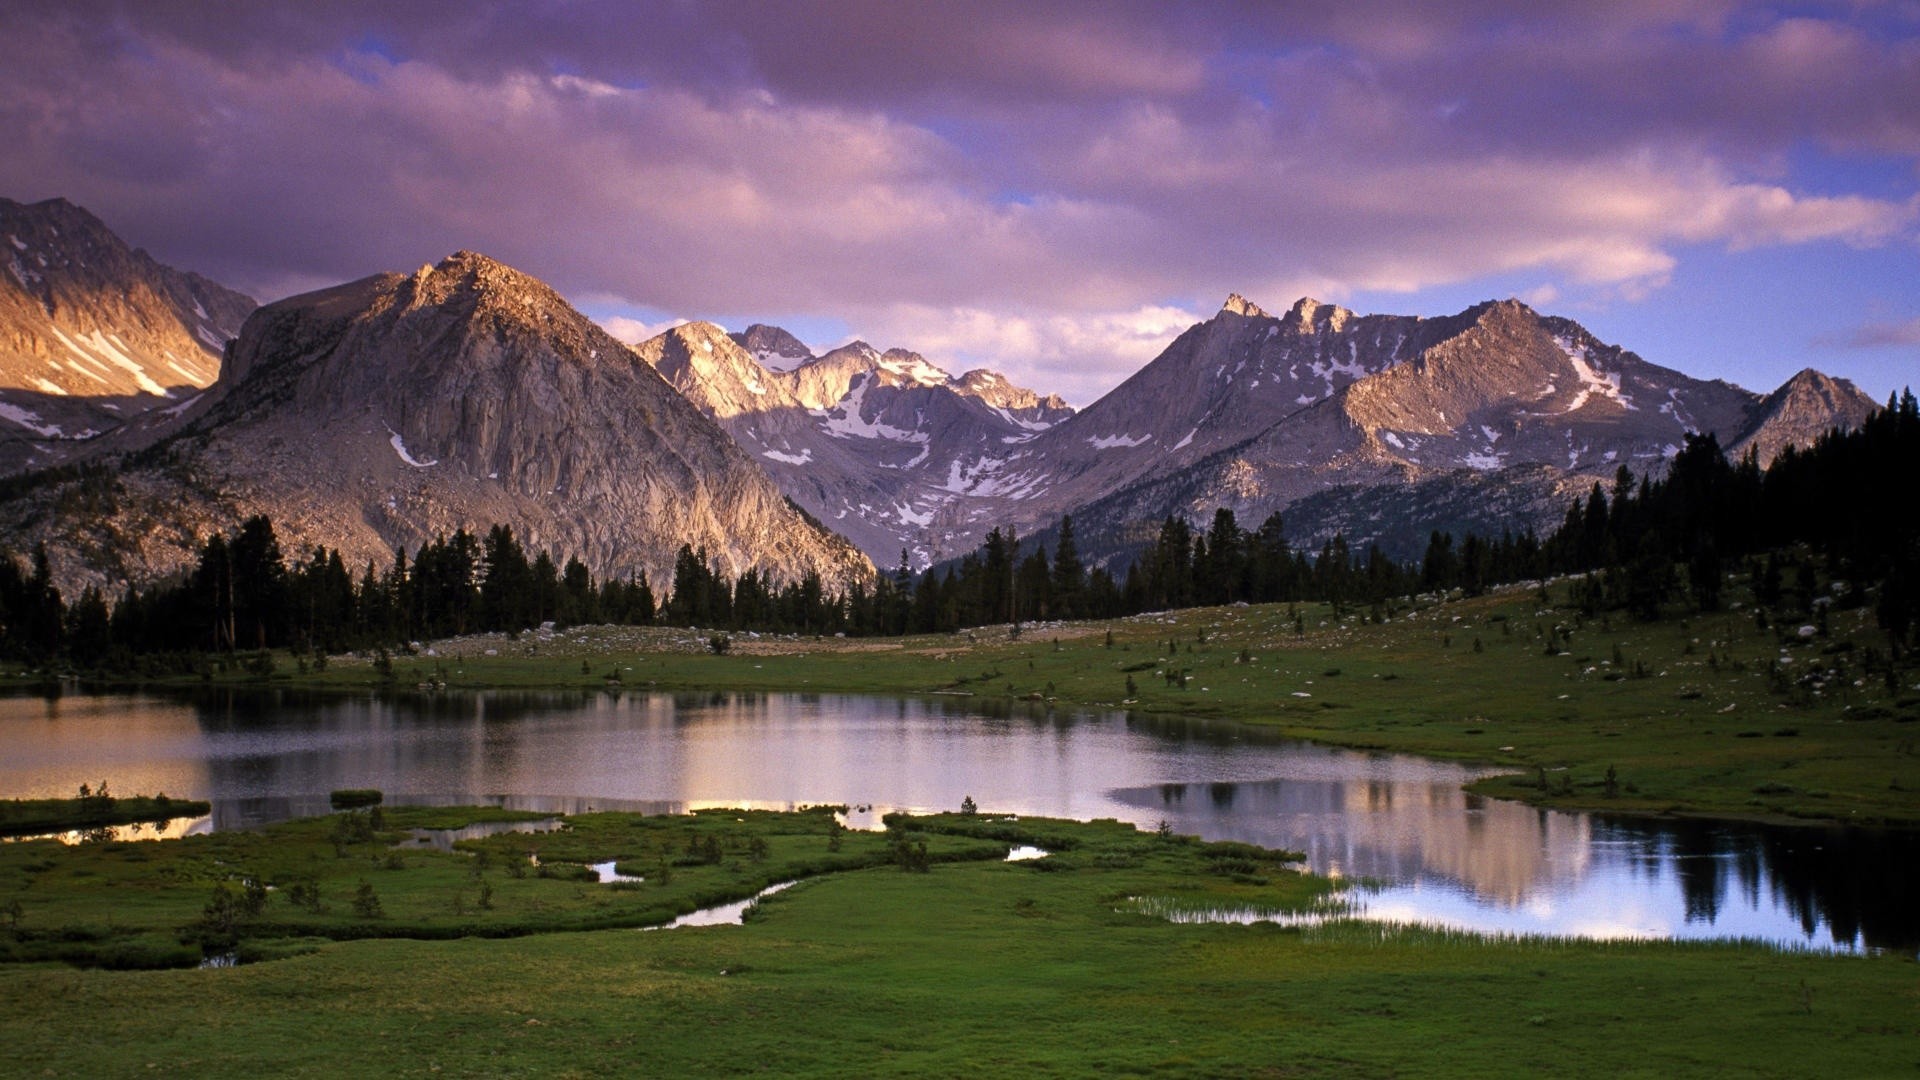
x,y
366,902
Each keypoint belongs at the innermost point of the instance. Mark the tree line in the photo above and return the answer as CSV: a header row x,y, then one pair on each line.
x,y
1642,545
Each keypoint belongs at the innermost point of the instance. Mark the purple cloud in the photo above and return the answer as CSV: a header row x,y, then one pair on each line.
x,y
1879,335
1033,185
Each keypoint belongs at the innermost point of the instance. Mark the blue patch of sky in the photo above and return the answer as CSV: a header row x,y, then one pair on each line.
x,y
1752,317
1815,170
353,58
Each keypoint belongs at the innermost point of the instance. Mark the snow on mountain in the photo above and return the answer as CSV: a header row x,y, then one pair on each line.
x,y
886,448
1499,404
96,338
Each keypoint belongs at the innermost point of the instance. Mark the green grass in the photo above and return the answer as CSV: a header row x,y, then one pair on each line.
x,y
979,967
1703,732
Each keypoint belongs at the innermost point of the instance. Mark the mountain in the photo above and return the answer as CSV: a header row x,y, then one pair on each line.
x,y
392,409
881,446
95,336
1489,417
1379,426
772,347
1803,409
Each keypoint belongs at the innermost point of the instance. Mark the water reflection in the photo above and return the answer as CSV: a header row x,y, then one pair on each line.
x,y
1438,854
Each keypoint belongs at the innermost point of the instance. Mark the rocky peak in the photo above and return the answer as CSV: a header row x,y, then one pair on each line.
x,y
1311,316
1240,305
1804,408
1509,312
773,347
995,390
403,405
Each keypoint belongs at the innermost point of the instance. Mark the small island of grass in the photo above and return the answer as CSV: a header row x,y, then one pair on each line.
x,y
92,810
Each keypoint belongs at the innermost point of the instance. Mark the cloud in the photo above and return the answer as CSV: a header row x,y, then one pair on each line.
x,y
1078,356
634,331
1879,335
1035,186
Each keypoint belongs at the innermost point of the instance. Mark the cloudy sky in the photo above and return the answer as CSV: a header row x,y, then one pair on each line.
x,y
1051,189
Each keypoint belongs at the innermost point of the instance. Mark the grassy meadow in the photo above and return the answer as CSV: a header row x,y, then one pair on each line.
x,y
976,966
364,949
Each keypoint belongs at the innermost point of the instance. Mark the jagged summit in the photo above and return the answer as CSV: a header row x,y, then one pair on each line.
x,y
1240,305
1311,316
879,445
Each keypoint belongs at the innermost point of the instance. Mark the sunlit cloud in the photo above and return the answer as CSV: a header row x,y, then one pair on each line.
x,y
1044,188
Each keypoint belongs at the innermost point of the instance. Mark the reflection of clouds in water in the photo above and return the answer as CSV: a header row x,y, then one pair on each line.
x,y
1449,857
1381,827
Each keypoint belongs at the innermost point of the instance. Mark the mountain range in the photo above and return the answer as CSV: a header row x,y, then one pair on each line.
x,y
385,411
1495,415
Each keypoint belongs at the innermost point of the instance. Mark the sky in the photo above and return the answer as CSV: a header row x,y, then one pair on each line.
x,y
1053,190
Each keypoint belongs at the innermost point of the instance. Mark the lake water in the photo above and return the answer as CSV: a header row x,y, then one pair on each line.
x,y
1429,852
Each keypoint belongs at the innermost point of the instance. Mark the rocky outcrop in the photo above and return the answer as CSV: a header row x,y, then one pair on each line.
x,y
100,345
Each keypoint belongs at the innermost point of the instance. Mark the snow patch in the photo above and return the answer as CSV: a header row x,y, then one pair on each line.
x,y
400,447
112,350
176,410
1492,435
907,516
1485,462
1606,384
30,420
47,387
844,421
1108,442
1026,425
919,371
1183,442
801,458
1393,440
17,243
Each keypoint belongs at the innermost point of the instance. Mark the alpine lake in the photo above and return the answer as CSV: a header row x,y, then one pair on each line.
x,y
1408,845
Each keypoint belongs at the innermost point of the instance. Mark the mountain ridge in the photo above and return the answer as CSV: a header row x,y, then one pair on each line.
x,y
98,340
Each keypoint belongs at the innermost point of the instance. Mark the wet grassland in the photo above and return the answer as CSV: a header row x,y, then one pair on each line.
x,y
362,946
918,951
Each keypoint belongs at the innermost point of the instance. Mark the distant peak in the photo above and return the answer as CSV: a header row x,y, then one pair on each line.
x,y
1240,305
1311,314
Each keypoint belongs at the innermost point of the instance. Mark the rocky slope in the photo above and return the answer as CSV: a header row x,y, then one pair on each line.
x,y
96,338
388,410
884,447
